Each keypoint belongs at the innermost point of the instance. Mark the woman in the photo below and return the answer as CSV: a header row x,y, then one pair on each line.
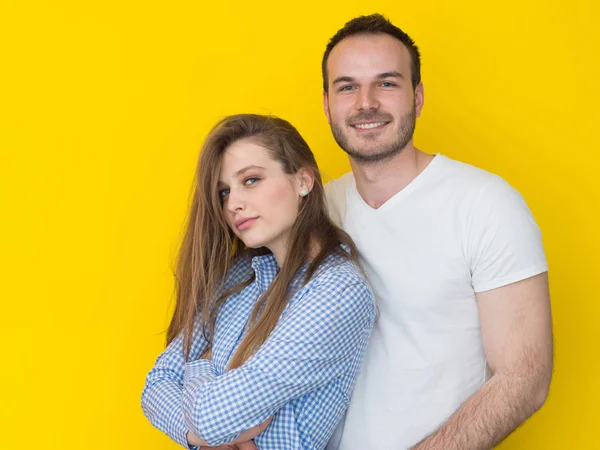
x,y
273,314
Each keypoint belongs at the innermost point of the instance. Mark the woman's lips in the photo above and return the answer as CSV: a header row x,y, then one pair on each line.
x,y
244,224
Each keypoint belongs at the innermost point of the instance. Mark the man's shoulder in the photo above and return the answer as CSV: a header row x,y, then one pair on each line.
x,y
464,184
483,185
335,194
459,172
339,186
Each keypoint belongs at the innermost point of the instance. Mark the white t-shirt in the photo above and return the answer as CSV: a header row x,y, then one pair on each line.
x,y
453,231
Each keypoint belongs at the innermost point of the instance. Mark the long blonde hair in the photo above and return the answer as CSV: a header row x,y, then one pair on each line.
x,y
209,246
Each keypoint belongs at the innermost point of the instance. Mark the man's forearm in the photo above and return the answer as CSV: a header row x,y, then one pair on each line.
x,y
489,415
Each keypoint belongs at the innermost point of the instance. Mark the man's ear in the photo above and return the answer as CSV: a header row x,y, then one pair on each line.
x,y
326,106
419,99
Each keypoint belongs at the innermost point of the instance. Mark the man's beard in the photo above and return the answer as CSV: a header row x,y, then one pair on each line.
x,y
387,150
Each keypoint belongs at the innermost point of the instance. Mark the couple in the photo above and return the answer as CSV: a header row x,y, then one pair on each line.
x,y
274,342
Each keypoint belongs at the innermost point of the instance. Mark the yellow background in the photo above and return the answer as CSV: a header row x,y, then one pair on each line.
x,y
105,105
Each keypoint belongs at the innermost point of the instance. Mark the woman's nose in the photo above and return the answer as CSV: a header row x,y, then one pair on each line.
x,y
235,200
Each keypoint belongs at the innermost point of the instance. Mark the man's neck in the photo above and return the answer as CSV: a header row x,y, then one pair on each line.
x,y
378,182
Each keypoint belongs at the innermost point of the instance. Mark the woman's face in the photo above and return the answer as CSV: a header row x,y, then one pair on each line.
x,y
260,201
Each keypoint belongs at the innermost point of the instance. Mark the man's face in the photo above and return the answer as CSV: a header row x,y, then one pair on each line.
x,y
371,105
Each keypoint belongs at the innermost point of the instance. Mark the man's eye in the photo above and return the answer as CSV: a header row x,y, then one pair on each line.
x,y
223,193
387,84
348,87
251,180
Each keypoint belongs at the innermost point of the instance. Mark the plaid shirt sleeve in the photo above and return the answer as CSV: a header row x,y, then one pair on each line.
x,y
161,398
314,342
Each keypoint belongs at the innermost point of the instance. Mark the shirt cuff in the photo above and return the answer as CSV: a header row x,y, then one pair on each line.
x,y
200,370
196,374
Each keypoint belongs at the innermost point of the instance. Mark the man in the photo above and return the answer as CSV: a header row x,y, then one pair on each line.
x,y
462,351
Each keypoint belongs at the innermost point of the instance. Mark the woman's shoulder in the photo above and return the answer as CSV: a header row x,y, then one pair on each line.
x,y
340,283
339,269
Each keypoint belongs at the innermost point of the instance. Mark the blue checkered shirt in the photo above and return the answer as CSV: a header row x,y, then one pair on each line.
x,y
302,375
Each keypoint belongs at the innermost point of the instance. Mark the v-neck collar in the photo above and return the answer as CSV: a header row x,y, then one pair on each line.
x,y
403,193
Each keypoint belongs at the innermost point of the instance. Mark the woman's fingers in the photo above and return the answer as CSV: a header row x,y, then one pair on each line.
x,y
207,354
248,445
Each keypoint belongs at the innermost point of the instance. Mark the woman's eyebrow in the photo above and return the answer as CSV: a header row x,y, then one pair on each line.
x,y
245,169
241,172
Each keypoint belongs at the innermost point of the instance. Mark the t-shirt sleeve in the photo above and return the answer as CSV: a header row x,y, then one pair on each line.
x,y
504,244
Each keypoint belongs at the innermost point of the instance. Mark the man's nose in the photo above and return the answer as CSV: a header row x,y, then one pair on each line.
x,y
367,99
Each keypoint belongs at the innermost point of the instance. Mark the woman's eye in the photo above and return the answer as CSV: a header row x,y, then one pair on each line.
x,y
250,181
223,193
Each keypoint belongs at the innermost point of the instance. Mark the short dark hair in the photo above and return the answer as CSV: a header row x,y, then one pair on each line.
x,y
374,24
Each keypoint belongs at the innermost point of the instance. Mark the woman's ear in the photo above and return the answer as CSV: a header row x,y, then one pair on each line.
x,y
305,180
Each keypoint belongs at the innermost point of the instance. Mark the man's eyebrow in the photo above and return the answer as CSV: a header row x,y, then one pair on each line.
x,y
381,76
242,171
393,74
343,80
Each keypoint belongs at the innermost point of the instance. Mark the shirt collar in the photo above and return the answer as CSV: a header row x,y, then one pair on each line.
x,y
265,269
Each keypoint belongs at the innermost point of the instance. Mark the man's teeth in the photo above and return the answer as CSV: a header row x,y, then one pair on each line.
x,y
366,126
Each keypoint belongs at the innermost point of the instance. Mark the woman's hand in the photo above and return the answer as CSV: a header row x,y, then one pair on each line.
x,y
248,445
220,447
207,354
243,442
251,433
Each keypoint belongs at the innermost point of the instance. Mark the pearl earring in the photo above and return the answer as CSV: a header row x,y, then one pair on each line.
x,y
303,192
